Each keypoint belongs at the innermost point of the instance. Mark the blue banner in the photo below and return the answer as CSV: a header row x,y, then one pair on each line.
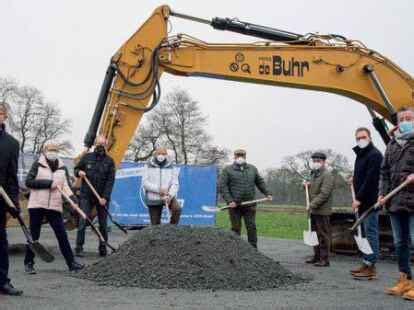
x,y
197,188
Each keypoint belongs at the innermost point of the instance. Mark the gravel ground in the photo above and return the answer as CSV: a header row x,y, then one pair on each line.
x,y
331,288
194,258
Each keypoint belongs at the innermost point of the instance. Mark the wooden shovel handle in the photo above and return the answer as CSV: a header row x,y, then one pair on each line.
x,y
307,196
92,188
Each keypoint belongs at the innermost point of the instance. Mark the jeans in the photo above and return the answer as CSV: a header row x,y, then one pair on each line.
x,y
55,220
371,230
403,233
4,255
87,207
249,216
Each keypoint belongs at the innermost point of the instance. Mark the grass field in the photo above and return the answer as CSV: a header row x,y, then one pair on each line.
x,y
283,225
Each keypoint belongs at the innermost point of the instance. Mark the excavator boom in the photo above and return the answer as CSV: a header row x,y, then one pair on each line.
x,y
328,63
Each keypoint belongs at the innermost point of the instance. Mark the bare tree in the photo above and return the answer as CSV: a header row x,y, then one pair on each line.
x,y
178,124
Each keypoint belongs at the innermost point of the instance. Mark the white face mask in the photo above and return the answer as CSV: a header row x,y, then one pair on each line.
x,y
160,158
240,160
315,166
363,143
51,155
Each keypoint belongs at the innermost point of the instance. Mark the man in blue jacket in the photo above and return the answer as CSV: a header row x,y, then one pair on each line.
x,y
365,181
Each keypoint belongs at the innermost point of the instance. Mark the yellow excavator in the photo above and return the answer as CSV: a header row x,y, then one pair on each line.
x,y
329,63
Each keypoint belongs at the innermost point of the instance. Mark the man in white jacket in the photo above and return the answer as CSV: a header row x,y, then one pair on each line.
x,y
160,183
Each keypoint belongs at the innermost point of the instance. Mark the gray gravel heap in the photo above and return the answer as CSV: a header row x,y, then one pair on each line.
x,y
187,257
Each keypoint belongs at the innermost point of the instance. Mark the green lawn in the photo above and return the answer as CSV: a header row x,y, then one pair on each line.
x,y
272,224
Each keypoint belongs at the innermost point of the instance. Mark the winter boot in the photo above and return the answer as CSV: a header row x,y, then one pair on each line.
x,y
8,289
410,294
322,263
368,273
358,270
403,286
76,266
311,260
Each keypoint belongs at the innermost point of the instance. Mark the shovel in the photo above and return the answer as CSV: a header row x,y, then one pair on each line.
x,y
309,237
377,206
83,215
35,246
215,209
104,207
362,243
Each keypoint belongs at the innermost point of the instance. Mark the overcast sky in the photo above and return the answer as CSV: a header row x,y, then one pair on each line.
x,y
63,48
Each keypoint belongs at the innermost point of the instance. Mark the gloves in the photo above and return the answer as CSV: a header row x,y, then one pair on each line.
x,y
14,212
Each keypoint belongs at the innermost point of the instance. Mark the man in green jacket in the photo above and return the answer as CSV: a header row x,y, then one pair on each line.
x,y
320,192
238,184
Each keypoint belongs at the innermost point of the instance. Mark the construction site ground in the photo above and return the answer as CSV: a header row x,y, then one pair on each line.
x,y
330,288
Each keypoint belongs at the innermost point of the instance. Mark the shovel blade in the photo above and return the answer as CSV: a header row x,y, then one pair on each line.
x,y
363,245
210,209
310,238
41,251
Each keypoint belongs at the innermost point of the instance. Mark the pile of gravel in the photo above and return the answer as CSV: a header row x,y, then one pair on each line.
x,y
189,258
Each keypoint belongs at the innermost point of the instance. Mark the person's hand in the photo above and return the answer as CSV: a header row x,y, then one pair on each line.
x,y
381,200
14,212
269,197
410,178
232,205
82,173
102,201
56,184
306,183
355,205
163,192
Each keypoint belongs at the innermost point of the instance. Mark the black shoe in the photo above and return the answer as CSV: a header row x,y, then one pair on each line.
x,y
75,266
322,263
311,260
79,251
29,268
102,251
8,289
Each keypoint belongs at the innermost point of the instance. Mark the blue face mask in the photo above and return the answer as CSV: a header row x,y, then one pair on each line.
x,y
406,126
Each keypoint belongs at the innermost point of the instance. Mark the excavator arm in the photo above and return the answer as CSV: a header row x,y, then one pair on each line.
x,y
329,63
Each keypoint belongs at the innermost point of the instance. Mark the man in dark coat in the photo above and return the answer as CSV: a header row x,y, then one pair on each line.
x,y
365,181
398,165
238,184
99,168
9,154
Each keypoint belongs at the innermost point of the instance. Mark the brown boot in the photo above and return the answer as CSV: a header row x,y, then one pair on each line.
x,y
368,273
410,294
358,270
403,286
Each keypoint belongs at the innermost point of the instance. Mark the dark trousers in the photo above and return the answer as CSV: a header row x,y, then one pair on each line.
x,y
403,232
155,213
322,226
249,216
55,220
87,207
4,255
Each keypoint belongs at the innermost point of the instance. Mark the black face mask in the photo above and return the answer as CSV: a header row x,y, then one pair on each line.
x,y
100,150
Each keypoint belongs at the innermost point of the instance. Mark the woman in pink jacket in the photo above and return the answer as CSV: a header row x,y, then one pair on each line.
x,y
46,175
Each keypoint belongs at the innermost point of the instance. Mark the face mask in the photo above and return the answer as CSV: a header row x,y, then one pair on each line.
x,y
315,166
240,160
51,155
100,149
406,126
363,143
160,158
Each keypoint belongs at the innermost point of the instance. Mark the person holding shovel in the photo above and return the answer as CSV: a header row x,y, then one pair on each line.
x,y
9,155
160,184
320,191
238,184
398,166
365,186
45,201
99,168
